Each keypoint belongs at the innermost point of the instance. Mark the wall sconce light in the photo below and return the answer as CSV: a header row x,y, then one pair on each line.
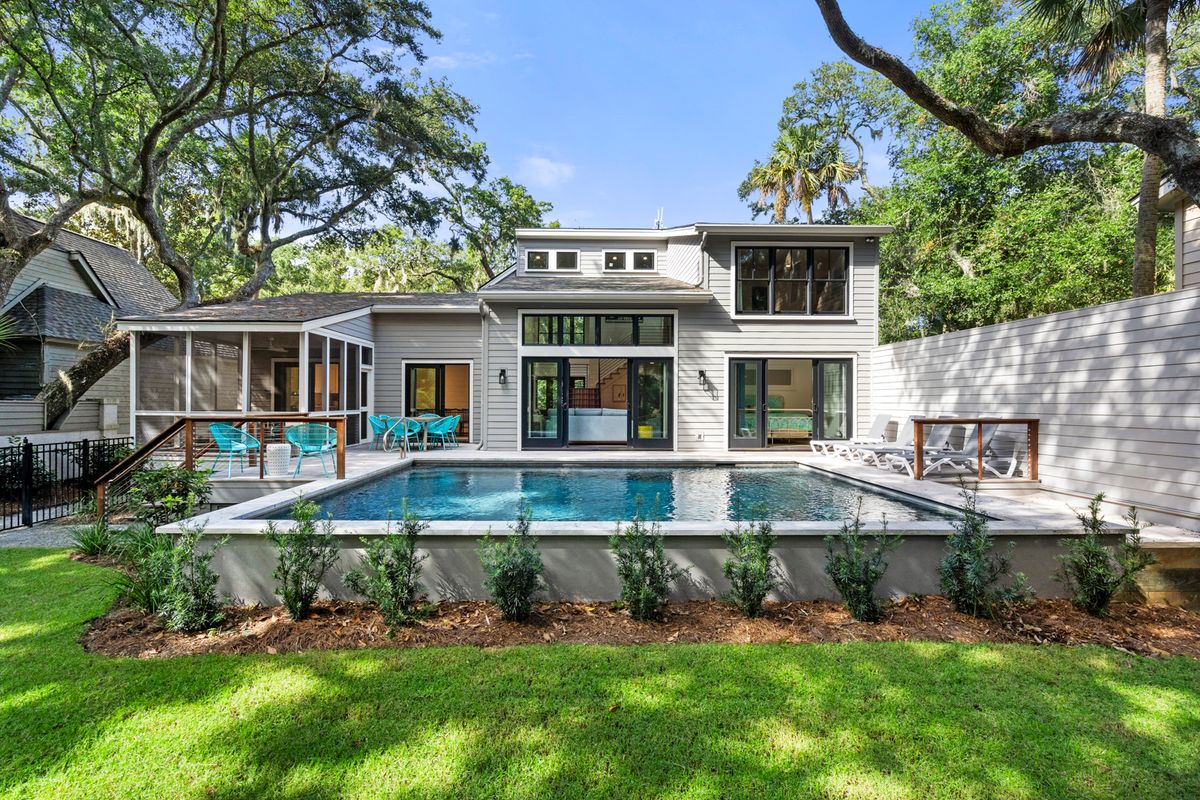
x,y
870,240
703,378
503,377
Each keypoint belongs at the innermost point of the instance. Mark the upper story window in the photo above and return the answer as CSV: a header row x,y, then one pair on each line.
x,y
561,260
792,280
618,260
599,329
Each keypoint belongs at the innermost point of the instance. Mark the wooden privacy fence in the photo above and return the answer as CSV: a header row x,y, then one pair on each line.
x,y
1031,432
187,442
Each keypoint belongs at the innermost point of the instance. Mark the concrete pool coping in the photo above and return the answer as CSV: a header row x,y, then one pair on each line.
x,y
1006,516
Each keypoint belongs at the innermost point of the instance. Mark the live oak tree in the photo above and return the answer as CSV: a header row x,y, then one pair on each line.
x,y
228,130
1172,140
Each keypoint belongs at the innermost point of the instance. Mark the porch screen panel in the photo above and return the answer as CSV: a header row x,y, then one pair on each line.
x,y
336,381
217,371
316,372
274,372
162,372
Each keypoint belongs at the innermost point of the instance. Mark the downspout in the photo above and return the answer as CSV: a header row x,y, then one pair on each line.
x,y
485,378
703,261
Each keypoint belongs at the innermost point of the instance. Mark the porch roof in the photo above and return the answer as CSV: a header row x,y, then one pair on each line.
x,y
302,310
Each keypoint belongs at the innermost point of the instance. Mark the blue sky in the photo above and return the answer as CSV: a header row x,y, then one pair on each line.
x,y
613,110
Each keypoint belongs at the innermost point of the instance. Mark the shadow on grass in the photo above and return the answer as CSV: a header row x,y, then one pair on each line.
x,y
870,720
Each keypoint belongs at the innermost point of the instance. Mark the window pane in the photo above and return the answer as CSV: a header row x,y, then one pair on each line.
x,y
791,281
368,356
566,260
652,419
274,372
614,261
316,373
352,399
335,375
216,372
540,329
161,372
829,297
616,330
579,330
537,259
643,260
753,279
656,330
829,265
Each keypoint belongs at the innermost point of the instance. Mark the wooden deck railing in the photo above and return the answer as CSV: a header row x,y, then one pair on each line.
x,y
1031,431
185,441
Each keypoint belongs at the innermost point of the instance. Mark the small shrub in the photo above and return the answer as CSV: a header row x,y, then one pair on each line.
x,y
95,539
645,572
1093,572
856,563
306,552
191,602
10,471
147,558
752,571
390,576
970,574
512,568
101,456
168,494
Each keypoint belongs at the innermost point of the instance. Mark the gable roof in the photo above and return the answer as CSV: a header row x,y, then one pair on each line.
x,y
311,306
126,281
47,311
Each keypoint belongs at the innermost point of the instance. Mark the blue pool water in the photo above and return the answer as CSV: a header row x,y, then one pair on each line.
x,y
695,493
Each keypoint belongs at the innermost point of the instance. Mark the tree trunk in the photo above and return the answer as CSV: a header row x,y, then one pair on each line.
x,y
1155,88
61,395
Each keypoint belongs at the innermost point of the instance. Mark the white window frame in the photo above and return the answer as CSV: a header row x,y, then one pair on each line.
x,y
629,254
551,261
803,319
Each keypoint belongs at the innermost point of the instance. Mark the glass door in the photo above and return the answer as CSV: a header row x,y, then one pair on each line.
x,y
832,396
746,403
650,402
543,419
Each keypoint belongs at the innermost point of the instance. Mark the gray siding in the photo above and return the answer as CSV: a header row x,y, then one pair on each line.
x,y
361,327
20,417
21,369
427,338
1188,246
54,268
112,387
502,417
1115,387
591,255
683,259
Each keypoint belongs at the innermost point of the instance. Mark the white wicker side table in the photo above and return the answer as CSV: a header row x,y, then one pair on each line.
x,y
279,459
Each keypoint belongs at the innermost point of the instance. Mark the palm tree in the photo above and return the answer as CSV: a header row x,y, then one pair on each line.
x,y
805,163
1109,32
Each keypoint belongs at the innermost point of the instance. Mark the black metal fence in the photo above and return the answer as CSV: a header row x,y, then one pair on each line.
x,y
40,482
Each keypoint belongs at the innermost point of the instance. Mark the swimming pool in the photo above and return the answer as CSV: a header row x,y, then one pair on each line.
x,y
711,493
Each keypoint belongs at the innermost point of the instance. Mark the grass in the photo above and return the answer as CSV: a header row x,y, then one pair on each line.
x,y
704,721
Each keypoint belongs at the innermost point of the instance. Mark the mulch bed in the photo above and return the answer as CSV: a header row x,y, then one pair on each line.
x,y
1131,628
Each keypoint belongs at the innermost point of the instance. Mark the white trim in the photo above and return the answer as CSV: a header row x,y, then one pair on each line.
x,y
334,319
551,260
628,234
719,228
628,269
441,309
77,258
731,355
327,332
804,319
187,374
304,390
246,372
470,362
1180,214
135,342
652,296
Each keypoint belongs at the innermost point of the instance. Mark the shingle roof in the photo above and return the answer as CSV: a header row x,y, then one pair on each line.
x,y
588,284
308,306
135,290
56,313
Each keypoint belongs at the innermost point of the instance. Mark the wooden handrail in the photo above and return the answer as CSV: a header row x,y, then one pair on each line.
x,y
1032,433
187,425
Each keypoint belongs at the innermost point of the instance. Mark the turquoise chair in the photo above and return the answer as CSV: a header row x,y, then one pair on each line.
x,y
232,442
312,440
454,429
381,426
412,434
439,431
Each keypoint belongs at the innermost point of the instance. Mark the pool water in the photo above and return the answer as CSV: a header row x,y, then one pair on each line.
x,y
559,493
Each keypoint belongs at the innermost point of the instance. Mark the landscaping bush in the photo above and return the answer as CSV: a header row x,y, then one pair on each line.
x,y
391,573
970,574
168,494
512,568
10,471
147,558
856,563
191,602
96,539
645,572
1093,572
306,552
752,571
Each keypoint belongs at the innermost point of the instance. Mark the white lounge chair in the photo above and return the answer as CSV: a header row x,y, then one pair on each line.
x,y
868,453
935,459
830,447
936,440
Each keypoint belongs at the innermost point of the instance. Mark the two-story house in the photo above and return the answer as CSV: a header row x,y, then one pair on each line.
x,y
698,337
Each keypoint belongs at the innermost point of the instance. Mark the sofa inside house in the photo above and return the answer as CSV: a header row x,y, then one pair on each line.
x,y
598,424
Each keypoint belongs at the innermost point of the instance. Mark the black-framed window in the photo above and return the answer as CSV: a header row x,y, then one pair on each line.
x,y
614,261
609,330
643,260
794,281
559,260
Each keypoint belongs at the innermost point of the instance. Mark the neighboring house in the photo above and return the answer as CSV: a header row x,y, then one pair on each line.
x,y
1187,235
63,302
700,337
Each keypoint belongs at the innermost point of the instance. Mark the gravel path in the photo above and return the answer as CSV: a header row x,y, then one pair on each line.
x,y
46,534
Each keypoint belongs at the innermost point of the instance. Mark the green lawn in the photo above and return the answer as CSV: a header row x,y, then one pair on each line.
x,y
695,721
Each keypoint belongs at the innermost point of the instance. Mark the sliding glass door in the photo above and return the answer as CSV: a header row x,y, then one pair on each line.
x,y
543,422
788,402
442,389
650,399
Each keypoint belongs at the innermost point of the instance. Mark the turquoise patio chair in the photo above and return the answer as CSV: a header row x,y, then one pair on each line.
x,y
412,433
439,431
454,429
231,442
381,427
312,440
